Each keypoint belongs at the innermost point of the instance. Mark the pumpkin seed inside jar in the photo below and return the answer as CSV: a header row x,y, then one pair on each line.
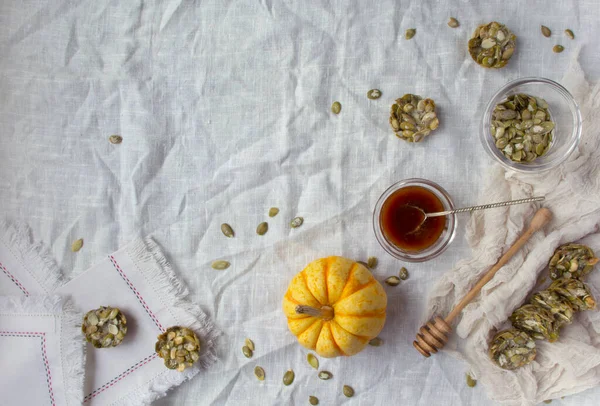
x,y
522,127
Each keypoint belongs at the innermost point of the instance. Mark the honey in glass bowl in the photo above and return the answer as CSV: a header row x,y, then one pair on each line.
x,y
401,221
397,220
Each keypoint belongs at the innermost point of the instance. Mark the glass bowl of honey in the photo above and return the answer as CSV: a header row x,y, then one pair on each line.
x,y
397,221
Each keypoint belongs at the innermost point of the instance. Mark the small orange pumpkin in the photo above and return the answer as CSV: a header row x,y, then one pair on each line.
x,y
335,306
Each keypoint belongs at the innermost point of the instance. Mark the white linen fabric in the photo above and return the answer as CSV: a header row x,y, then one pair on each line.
x,y
224,111
43,357
573,194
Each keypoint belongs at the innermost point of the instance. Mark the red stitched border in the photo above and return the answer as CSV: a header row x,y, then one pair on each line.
x,y
15,280
137,294
144,361
112,382
42,336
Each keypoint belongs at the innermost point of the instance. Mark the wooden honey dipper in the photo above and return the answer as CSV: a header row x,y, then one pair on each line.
x,y
434,335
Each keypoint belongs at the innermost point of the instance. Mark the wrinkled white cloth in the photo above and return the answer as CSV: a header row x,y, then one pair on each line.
x,y
224,109
572,192
43,357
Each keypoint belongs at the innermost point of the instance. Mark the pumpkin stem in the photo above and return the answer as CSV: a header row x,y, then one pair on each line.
x,y
325,312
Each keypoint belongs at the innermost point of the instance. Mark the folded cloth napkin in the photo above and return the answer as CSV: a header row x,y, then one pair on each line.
x,y
572,193
26,267
43,356
138,280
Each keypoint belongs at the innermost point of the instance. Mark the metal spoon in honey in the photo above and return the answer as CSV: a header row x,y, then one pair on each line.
x,y
425,216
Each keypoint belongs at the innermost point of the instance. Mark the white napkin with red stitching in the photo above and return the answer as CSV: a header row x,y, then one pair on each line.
x,y
43,357
138,280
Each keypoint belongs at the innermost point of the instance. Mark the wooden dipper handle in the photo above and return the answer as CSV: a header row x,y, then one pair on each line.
x,y
429,337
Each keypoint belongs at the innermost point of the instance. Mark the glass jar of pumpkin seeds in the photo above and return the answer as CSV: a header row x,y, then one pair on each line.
x,y
531,125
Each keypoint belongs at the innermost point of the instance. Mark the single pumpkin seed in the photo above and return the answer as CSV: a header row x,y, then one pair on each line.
x,y
470,381
76,246
249,343
372,262
262,228
259,373
403,274
453,22
336,107
273,211
313,400
374,94
410,33
220,265
288,377
348,391
312,360
546,31
227,230
247,351
115,139
393,281
296,222
569,34
325,375
557,49
548,401
376,342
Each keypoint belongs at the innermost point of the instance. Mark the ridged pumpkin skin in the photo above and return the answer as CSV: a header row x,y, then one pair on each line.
x,y
357,299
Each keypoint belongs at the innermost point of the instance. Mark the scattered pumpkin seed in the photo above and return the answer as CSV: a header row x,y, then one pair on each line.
x,y
288,377
273,211
227,230
376,342
363,263
546,31
557,49
374,94
259,373
262,228
372,262
115,139
348,391
325,375
470,381
336,107
247,351
249,343
313,400
220,265
410,33
453,22
569,34
393,281
296,222
548,401
403,274
312,360
76,246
